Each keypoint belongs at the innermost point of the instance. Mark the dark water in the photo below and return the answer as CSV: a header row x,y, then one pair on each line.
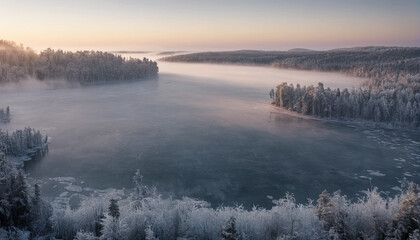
x,y
207,131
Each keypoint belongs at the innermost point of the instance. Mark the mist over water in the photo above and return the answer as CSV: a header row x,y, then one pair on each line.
x,y
208,131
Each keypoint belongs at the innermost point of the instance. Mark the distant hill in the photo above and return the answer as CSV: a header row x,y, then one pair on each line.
x,y
128,51
370,62
300,50
170,52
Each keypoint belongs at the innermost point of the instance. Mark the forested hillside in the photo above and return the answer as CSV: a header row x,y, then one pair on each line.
x,y
19,63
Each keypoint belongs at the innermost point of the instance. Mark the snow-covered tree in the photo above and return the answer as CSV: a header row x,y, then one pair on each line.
x,y
407,220
17,207
150,235
326,210
112,229
82,235
229,230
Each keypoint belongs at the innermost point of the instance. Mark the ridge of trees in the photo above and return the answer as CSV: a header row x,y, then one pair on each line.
x,y
84,67
368,62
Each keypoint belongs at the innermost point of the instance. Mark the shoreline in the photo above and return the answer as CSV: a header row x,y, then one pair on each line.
x,y
344,121
19,161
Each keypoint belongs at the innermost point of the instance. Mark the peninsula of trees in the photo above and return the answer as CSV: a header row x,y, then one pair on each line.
x,y
22,142
82,67
395,103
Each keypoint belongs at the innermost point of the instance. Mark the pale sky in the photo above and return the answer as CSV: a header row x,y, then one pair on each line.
x,y
209,25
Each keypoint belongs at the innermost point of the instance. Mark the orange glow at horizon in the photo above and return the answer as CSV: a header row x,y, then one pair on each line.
x,y
138,27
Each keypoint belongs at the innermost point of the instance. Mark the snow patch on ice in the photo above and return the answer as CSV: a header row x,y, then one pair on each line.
x,y
376,173
63,194
64,179
399,159
73,188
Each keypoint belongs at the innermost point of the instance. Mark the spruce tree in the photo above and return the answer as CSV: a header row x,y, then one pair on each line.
x,y
21,208
114,210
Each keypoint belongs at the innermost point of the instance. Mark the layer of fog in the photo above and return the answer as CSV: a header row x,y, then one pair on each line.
x,y
200,131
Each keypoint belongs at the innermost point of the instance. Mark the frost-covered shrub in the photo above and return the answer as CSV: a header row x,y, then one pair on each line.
x,y
371,216
82,235
407,219
152,217
88,217
14,233
113,229
334,217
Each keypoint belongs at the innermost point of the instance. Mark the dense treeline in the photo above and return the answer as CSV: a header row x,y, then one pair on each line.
x,y
334,217
17,63
144,214
5,115
398,105
22,142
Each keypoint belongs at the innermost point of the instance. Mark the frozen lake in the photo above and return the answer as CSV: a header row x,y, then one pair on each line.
x,y
208,131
